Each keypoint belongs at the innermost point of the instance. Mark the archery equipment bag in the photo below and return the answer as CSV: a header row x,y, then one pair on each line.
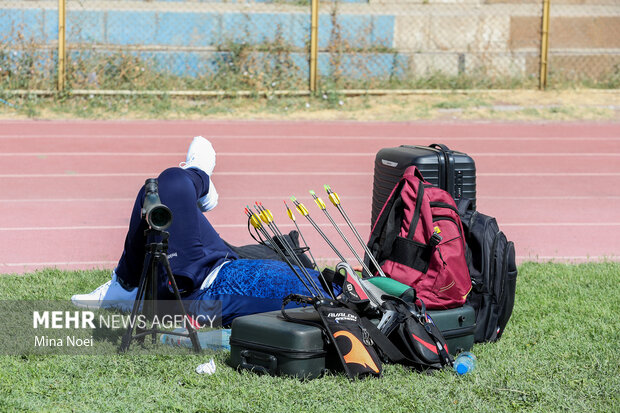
x,y
418,240
450,170
493,272
457,325
409,337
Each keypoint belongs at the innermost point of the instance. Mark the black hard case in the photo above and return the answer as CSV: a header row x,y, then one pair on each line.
x,y
457,325
267,343
450,170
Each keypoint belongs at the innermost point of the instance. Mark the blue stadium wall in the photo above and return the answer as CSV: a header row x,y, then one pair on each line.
x,y
156,34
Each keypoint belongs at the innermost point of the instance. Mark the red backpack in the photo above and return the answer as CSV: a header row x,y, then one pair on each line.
x,y
418,240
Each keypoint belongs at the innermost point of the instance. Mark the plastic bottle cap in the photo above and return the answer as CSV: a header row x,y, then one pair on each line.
x,y
461,369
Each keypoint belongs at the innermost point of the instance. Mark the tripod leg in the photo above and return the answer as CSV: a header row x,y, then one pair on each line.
x,y
190,329
154,279
126,340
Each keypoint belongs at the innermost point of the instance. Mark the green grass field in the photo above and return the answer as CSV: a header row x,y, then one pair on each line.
x,y
559,353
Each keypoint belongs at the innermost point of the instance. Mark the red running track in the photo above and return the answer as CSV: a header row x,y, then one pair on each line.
x,y
67,187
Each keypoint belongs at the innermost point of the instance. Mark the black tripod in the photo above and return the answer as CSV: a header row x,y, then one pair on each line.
x,y
158,217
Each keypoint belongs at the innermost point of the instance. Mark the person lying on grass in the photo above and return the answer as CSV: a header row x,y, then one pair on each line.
x,y
205,268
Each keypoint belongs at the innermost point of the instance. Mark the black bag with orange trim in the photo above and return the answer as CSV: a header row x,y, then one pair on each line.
x,y
411,338
344,332
351,340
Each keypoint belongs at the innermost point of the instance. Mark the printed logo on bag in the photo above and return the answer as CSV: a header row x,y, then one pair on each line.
x,y
339,317
389,163
351,291
358,353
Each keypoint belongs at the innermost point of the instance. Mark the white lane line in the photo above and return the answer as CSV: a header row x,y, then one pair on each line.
x,y
177,154
295,173
89,200
593,174
561,224
79,175
132,154
143,174
348,197
65,228
221,199
543,154
272,136
543,198
306,154
301,224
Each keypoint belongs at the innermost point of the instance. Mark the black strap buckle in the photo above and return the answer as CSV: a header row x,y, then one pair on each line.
x,y
435,240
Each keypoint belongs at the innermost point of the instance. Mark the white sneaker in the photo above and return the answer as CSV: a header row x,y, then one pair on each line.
x,y
108,295
209,201
200,155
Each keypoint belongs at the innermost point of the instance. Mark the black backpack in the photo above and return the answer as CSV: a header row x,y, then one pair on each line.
x,y
263,250
493,271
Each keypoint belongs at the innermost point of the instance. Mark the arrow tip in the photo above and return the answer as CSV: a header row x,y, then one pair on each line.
x,y
327,188
312,192
293,199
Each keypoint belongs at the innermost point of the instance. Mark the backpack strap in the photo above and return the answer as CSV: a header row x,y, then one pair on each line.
x,y
381,241
329,278
416,213
464,205
392,228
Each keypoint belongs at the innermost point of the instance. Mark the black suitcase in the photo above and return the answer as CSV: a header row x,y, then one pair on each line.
x,y
450,170
457,326
266,343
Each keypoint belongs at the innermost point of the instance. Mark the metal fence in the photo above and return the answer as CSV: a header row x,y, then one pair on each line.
x,y
584,42
271,45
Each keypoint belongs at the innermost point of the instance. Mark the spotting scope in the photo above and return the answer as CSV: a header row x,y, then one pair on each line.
x,y
157,215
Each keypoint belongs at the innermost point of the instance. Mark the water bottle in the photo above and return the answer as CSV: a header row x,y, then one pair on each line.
x,y
464,363
209,340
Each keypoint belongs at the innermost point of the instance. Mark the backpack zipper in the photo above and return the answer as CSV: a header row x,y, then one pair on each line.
x,y
444,205
442,218
492,268
458,332
505,268
441,256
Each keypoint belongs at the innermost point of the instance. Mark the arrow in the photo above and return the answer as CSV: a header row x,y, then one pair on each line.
x,y
335,199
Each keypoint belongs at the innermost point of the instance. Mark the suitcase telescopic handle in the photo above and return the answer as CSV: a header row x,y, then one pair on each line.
x,y
454,188
269,358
